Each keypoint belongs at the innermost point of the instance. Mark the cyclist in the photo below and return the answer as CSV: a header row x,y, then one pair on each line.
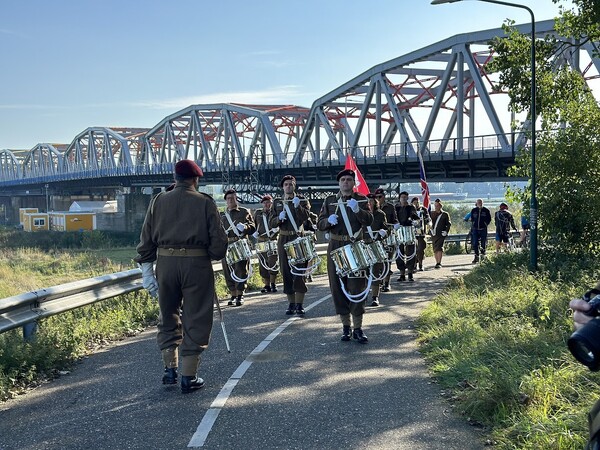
x,y
504,221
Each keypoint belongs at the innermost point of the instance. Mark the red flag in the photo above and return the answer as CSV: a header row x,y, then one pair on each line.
x,y
361,185
424,186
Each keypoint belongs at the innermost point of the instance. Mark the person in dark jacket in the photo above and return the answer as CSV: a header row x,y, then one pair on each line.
x,y
480,219
406,214
390,218
182,232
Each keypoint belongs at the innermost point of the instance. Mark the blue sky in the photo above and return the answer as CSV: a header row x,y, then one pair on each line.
x,y
71,64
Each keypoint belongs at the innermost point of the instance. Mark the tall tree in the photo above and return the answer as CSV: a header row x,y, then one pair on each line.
x,y
568,143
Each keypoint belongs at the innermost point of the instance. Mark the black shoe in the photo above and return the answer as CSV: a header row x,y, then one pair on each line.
x,y
170,376
410,277
273,287
300,309
346,333
358,335
291,309
231,300
420,267
375,301
475,260
438,266
309,278
266,288
239,301
402,278
190,384
385,288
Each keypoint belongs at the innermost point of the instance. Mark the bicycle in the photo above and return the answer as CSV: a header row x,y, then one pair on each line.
x,y
469,243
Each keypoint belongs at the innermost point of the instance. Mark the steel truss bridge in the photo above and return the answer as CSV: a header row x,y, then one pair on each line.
x,y
429,101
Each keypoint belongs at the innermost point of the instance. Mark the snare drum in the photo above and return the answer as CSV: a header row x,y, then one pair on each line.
x,y
269,247
300,250
378,252
238,251
391,240
352,258
406,235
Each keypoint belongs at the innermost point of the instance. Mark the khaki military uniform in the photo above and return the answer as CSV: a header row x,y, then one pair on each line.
x,y
243,216
421,233
294,286
261,220
441,222
379,223
183,232
338,235
390,218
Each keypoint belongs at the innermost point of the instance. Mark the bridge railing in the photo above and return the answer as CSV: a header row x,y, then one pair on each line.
x,y
478,147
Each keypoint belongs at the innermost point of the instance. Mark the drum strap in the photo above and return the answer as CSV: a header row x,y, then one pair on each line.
x,y
370,230
233,227
342,208
436,224
288,211
267,229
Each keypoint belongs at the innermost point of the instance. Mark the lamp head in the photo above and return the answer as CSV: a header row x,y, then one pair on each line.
x,y
441,2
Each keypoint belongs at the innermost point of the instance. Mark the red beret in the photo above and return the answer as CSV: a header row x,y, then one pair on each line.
x,y
266,198
379,191
188,169
230,191
344,173
287,177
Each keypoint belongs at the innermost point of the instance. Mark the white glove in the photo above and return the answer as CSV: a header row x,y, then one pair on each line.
x,y
296,202
333,219
148,279
274,230
396,226
327,236
255,235
353,205
416,223
382,233
282,216
444,233
241,226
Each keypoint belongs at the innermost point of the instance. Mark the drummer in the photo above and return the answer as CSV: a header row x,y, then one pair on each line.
x,y
406,214
390,218
376,231
335,221
264,233
288,214
238,224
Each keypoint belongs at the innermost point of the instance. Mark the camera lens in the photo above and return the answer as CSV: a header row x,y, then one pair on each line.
x,y
584,344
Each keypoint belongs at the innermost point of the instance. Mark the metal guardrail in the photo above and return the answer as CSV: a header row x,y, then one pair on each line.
x,y
27,308
23,309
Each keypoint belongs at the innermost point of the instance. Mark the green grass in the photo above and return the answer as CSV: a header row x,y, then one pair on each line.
x,y
496,339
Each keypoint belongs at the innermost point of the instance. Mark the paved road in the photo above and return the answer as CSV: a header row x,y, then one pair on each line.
x,y
287,384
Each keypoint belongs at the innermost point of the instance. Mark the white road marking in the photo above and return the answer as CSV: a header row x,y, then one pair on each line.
x,y
210,417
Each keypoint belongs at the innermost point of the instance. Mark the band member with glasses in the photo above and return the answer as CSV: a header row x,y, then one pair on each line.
x,y
347,209
288,214
264,233
390,218
238,223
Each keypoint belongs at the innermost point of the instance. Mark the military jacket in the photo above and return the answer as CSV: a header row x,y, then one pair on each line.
x,y
406,214
238,215
390,213
356,220
300,214
260,217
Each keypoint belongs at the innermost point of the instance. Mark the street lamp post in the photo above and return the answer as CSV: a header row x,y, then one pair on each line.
x,y
533,209
46,186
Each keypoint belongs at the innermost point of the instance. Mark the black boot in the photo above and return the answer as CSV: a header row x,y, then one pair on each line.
x,y
266,288
385,288
375,301
273,287
231,300
299,309
190,384
291,309
170,376
410,276
346,333
239,301
359,336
